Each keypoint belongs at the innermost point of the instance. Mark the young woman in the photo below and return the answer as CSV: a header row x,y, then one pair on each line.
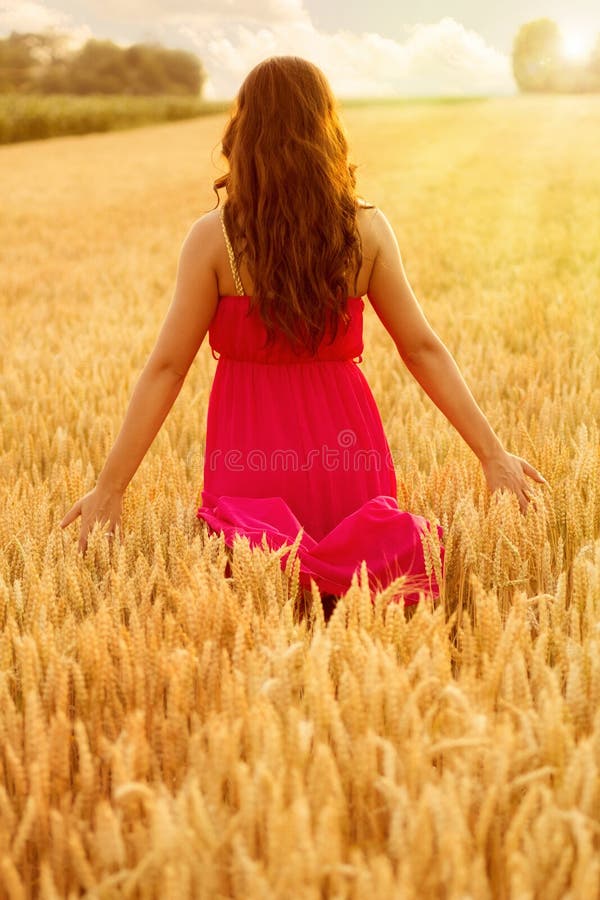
x,y
277,276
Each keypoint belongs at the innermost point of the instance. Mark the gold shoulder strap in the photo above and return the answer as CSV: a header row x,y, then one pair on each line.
x,y
234,269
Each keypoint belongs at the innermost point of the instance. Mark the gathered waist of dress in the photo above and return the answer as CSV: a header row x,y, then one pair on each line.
x,y
313,361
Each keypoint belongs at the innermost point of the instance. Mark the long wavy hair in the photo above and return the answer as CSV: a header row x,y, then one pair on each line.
x,y
291,200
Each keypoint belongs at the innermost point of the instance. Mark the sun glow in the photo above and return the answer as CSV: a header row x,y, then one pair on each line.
x,y
576,45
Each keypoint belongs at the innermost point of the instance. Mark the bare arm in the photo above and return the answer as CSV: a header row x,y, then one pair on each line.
x,y
432,365
182,332
438,374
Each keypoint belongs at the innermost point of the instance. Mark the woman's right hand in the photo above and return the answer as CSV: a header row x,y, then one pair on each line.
x,y
101,504
504,470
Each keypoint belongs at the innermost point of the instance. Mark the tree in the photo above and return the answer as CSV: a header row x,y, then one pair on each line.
x,y
44,63
97,68
53,54
152,69
537,56
595,64
16,62
28,60
184,72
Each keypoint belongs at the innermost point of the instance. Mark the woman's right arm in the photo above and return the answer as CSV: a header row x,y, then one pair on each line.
x,y
432,365
182,333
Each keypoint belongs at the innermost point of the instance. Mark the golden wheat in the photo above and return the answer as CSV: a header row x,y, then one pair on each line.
x,y
166,731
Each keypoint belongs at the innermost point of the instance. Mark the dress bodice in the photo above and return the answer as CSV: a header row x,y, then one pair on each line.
x,y
238,333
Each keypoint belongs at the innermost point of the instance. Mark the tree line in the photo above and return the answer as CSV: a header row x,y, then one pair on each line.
x,y
540,63
44,64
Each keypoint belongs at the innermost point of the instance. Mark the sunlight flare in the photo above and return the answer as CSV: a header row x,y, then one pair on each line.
x,y
576,45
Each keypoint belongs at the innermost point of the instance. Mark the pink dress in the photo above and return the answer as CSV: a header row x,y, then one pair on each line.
x,y
297,443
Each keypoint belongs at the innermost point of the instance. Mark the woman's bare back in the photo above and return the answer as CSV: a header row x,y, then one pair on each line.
x,y
226,286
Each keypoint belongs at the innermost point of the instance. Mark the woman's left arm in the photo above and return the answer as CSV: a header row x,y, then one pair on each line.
x,y
181,335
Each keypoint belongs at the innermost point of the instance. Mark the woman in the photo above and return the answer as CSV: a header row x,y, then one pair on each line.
x,y
276,276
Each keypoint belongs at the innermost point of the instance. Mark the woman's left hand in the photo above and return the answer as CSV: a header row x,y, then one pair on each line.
x,y
505,470
101,504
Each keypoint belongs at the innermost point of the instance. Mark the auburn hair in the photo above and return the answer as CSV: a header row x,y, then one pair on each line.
x,y
291,200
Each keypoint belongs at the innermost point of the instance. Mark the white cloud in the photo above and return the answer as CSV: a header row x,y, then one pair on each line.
x,y
203,13
28,15
441,58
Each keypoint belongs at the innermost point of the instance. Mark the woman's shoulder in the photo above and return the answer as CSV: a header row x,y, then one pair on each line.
x,y
367,216
375,227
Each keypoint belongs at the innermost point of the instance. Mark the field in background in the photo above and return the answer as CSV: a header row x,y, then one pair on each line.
x,y
166,732
26,117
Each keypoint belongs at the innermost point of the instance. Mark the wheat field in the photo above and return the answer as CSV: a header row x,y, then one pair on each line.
x,y
28,116
166,732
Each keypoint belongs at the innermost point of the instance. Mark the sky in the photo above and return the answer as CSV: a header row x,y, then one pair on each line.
x,y
365,47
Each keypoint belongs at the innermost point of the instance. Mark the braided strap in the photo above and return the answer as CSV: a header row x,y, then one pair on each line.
x,y
234,269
